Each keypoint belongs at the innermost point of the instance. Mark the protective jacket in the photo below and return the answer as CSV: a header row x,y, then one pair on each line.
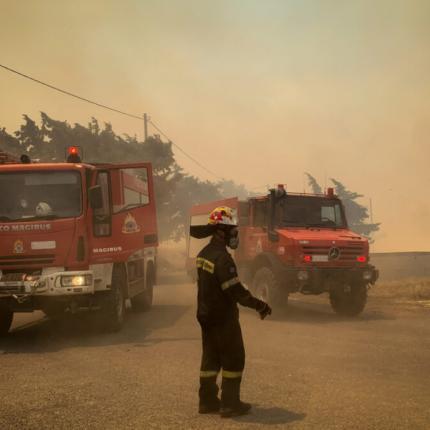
x,y
219,288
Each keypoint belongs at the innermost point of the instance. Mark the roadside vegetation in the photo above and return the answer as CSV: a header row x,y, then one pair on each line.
x,y
407,289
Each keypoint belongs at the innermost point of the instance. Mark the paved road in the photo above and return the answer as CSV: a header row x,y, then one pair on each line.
x,y
307,370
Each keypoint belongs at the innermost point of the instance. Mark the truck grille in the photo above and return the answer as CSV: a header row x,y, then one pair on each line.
x,y
12,277
23,260
347,253
12,289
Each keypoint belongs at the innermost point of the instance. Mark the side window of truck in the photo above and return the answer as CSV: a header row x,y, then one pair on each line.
x,y
133,189
332,213
328,213
102,216
260,213
243,214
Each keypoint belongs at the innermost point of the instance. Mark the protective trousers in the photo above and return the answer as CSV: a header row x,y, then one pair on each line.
x,y
222,349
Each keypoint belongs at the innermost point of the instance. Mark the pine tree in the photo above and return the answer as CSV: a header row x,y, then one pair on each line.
x,y
312,182
356,214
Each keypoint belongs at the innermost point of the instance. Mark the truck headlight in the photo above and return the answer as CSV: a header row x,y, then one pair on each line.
x,y
367,275
302,275
76,280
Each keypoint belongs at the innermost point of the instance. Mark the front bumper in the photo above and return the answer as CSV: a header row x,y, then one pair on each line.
x,y
52,284
317,280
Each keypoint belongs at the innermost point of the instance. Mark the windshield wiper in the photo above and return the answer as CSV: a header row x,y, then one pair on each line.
x,y
130,206
330,224
292,224
5,218
316,224
35,217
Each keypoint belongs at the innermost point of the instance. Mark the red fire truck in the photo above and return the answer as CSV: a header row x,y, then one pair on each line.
x,y
76,235
296,243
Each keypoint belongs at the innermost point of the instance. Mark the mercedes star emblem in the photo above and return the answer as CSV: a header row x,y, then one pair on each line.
x,y
334,253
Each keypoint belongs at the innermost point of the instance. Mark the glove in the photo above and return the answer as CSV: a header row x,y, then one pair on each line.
x,y
264,309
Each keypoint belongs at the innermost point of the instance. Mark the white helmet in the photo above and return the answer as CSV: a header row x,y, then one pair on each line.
x,y
223,215
43,209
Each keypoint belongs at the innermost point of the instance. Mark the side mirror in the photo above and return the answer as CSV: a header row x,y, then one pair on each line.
x,y
95,197
273,236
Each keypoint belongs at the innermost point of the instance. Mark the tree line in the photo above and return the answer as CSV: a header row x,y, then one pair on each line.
x,y
176,191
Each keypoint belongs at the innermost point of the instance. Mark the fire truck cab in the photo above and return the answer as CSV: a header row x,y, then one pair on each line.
x,y
76,235
293,243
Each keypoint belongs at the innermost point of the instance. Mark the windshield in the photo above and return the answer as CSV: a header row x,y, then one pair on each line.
x,y
40,195
304,211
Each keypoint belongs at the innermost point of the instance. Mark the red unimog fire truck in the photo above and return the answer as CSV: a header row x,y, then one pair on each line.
x,y
296,243
76,235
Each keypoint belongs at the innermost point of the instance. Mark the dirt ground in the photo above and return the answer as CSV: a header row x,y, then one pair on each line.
x,y
306,368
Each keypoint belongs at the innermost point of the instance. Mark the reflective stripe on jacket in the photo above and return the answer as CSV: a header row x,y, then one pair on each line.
x,y
219,287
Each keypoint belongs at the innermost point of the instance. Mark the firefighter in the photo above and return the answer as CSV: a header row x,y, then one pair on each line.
x,y
219,291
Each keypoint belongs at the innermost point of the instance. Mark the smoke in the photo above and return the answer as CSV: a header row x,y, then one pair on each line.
x,y
260,93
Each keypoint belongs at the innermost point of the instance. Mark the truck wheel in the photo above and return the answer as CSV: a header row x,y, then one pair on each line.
x,y
6,317
113,308
143,301
348,300
266,287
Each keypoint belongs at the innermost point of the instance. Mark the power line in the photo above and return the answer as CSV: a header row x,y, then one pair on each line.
x,y
68,93
184,152
142,118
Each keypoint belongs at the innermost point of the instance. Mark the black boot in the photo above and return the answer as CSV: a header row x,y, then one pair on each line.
x,y
210,408
240,408
208,396
231,405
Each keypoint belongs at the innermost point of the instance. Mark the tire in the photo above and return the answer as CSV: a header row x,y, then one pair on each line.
x,y
349,300
113,307
266,287
143,301
6,317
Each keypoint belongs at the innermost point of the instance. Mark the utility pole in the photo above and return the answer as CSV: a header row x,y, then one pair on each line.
x,y
145,125
371,211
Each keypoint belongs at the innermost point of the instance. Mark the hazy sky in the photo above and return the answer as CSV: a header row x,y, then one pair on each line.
x,y
259,91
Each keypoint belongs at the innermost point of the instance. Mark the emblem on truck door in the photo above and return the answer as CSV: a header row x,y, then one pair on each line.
x,y
333,253
18,247
130,225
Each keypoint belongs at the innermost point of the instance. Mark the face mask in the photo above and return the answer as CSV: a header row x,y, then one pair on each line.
x,y
233,243
233,240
